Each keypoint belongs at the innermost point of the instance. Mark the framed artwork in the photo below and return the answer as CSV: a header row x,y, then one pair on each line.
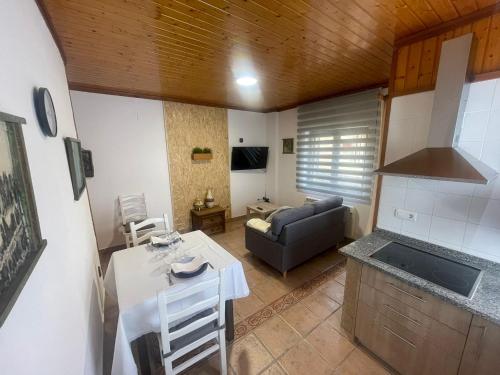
x,y
288,146
88,165
21,243
75,163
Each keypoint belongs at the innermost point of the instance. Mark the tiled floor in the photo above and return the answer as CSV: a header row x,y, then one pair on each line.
x,y
304,337
289,326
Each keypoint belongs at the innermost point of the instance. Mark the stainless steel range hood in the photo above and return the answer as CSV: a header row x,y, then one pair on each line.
x,y
442,159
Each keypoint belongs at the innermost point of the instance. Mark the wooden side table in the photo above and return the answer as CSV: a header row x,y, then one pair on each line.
x,y
264,209
209,220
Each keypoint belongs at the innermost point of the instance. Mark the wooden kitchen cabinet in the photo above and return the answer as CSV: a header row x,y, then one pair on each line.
x,y
412,331
482,349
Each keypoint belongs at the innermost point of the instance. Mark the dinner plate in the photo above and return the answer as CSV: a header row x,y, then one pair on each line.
x,y
188,266
187,275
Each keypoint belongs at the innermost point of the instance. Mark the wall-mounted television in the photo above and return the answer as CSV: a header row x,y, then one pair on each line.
x,y
244,158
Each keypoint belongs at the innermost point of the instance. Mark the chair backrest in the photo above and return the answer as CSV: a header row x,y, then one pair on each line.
x,y
132,207
211,292
143,230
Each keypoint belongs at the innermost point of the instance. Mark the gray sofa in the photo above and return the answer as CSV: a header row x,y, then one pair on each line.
x,y
298,234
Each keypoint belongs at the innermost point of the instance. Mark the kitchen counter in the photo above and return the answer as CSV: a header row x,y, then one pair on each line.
x,y
485,302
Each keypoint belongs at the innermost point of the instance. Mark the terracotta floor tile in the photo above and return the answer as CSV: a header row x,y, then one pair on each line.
x,y
277,336
341,278
207,367
332,346
249,305
359,362
248,356
274,369
320,304
304,359
268,291
334,290
301,318
247,266
334,321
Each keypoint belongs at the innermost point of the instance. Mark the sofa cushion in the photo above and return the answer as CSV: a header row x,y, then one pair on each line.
x,y
327,204
289,216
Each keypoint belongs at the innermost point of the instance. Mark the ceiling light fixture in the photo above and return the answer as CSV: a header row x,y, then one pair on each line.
x,y
246,81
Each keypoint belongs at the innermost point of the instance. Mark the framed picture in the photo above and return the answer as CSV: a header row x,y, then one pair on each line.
x,y
21,243
88,165
288,146
75,162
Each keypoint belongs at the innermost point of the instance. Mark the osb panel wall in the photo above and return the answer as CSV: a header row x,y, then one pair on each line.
x,y
416,64
188,126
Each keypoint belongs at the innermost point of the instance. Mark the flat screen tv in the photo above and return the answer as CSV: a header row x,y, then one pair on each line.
x,y
243,158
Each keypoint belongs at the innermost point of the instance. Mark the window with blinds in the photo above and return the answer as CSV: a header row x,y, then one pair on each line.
x,y
337,145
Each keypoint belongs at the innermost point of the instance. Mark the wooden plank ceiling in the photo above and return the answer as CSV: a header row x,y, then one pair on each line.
x,y
192,50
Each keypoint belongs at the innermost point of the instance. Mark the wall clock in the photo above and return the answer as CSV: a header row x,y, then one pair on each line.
x,y
45,112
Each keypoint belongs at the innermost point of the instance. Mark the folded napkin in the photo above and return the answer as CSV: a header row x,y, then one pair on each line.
x,y
188,267
259,224
165,241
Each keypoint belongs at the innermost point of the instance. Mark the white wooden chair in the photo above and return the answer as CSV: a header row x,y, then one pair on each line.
x,y
205,324
143,230
132,209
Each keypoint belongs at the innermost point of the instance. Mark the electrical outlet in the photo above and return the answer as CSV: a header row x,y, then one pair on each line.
x,y
405,215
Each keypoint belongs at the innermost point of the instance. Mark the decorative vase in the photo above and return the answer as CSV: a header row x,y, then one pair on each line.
x,y
198,204
209,199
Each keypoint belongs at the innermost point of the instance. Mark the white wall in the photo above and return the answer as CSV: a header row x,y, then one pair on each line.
x,y
54,326
127,140
248,186
285,176
461,216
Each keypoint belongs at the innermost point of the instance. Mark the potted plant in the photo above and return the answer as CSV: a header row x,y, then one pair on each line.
x,y
201,153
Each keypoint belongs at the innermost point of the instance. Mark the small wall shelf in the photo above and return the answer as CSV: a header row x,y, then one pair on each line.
x,y
202,156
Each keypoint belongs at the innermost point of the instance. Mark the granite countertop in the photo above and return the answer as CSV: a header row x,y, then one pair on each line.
x,y
485,301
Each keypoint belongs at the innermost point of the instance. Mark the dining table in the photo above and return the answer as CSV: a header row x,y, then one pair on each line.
x,y
136,275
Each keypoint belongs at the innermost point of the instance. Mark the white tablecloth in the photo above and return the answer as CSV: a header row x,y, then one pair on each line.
x,y
136,275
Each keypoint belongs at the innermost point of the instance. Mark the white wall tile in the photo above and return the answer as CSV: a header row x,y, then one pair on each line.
x,y
491,190
394,181
480,96
448,231
387,220
420,227
474,126
393,196
472,147
483,239
493,129
485,212
496,99
422,184
450,187
491,153
451,206
421,201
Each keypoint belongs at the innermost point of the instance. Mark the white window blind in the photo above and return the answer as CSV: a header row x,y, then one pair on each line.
x,y
337,145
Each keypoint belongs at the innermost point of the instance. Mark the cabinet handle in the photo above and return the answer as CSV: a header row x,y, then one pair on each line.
x,y
414,321
99,271
479,348
405,292
399,337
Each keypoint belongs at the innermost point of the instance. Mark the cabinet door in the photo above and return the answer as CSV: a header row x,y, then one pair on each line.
x,y
482,349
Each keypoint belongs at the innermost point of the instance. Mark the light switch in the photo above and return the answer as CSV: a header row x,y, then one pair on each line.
x,y
405,215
